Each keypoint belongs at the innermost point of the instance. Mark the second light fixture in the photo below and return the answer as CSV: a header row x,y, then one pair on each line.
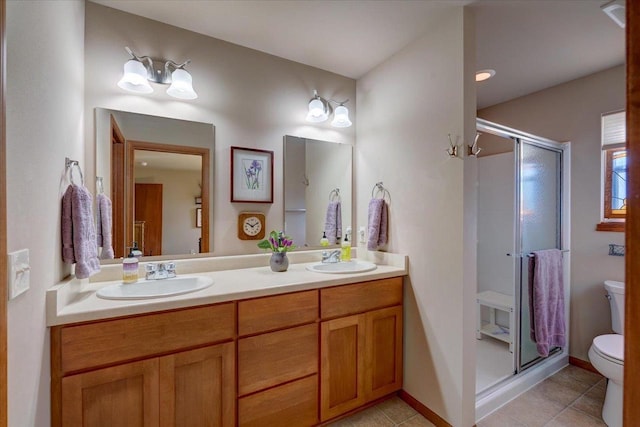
x,y
320,109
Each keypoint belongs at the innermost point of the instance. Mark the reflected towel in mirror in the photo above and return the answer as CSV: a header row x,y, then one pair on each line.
x,y
333,222
103,225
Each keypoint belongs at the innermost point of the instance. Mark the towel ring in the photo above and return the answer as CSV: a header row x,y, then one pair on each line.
x,y
99,185
69,164
379,188
334,195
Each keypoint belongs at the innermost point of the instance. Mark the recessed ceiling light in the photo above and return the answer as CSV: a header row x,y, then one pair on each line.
x,y
616,11
483,75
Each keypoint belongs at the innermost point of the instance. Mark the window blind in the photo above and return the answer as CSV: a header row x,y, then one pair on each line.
x,y
614,131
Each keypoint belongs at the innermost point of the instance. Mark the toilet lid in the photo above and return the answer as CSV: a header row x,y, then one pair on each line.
x,y
611,345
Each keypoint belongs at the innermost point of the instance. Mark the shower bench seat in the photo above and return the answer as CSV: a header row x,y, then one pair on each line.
x,y
495,301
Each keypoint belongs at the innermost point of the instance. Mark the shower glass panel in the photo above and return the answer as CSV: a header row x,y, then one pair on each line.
x,y
539,220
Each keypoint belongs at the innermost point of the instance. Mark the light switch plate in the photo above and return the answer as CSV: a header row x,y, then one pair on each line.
x,y
19,270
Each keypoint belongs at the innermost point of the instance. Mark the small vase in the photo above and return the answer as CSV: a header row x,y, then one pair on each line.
x,y
279,262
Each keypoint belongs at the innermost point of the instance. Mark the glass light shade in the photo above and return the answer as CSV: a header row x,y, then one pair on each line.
x,y
341,117
181,85
483,75
135,78
317,112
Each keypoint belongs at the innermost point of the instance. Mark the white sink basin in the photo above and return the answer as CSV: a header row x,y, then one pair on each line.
x,y
144,289
343,267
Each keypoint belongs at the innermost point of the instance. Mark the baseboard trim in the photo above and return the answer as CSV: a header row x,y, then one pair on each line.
x,y
583,364
423,410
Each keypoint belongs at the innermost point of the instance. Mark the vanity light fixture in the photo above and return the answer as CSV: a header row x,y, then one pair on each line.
x,y
483,75
320,109
140,70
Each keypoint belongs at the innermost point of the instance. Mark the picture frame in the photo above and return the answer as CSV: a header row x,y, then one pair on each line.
x,y
198,200
199,217
251,175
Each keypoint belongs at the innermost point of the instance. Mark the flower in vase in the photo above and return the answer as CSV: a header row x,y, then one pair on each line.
x,y
277,242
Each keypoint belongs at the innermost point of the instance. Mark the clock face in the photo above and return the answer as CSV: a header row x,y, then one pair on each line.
x,y
252,226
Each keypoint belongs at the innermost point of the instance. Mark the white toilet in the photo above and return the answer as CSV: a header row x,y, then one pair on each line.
x,y
607,355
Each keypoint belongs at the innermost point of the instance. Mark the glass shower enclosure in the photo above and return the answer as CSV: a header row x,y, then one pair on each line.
x,y
536,220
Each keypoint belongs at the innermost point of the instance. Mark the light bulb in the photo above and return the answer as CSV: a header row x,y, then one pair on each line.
x,y
135,77
341,117
317,112
181,85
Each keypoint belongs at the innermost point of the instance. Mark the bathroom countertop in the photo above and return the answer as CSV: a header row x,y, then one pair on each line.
x,y
74,300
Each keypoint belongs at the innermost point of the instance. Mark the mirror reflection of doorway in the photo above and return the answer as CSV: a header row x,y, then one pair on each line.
x,y
165,185
148,218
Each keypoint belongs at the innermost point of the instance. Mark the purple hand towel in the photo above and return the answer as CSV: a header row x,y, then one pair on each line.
x,y
378,224
103,224
78,231
546,300
333,222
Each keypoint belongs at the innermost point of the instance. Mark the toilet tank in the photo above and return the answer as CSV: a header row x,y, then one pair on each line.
x,y
615,294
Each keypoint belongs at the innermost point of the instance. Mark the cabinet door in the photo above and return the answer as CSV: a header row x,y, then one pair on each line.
x,y
197,387
342,367
383,372
121,396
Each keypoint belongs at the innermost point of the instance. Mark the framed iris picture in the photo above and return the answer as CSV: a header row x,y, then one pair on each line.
x,y
251,175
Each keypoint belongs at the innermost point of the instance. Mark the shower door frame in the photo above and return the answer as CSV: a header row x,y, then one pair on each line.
x,y
562,240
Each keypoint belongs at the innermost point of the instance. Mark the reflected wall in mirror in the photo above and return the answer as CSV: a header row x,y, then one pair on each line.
x,y
313,169
153,168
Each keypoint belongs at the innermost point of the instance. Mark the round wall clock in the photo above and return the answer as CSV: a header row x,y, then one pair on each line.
x,y
251,226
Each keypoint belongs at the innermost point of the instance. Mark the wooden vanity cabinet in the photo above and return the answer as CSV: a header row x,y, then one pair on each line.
x,y
167,369
295,359
361,354
278,360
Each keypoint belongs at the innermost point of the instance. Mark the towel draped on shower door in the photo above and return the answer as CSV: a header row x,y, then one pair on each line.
x,y
546,300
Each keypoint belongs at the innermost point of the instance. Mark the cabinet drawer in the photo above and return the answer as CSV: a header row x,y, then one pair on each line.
x,y
112,341
360,297
276,312
271,359
293,404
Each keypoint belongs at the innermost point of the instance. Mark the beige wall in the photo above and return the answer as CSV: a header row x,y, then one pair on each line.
x,y
253,100
571,112
406,107
45,74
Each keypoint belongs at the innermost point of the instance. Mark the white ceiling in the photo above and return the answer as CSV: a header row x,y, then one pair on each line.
x,y
171,161
532,44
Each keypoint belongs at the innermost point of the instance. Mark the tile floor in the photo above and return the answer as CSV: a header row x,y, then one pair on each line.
x,y
390,413
572,397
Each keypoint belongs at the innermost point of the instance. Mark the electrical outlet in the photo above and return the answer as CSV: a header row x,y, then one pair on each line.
x,y
19,270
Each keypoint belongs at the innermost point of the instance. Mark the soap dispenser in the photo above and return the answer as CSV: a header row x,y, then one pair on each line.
x,y
324,241
345,249
130,268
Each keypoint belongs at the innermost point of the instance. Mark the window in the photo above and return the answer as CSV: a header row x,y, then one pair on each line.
x,y
614,155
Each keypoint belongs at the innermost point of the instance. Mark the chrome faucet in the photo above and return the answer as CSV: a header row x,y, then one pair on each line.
x,y
331,257
160,270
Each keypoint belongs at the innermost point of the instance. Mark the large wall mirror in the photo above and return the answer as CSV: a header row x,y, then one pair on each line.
x,y
157,173
315,174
